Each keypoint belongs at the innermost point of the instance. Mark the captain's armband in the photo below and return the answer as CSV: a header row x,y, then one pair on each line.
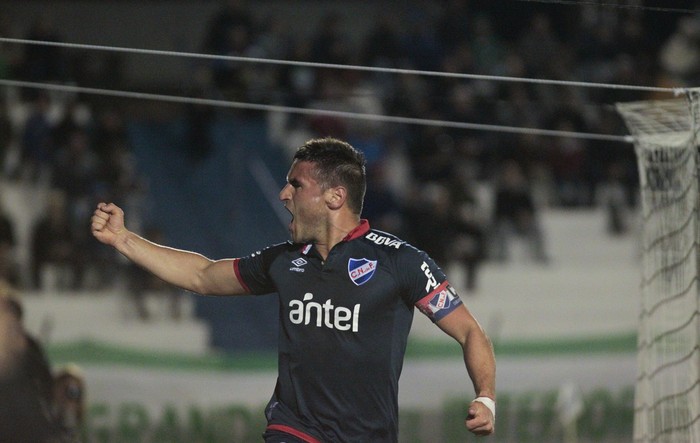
x,y
439,302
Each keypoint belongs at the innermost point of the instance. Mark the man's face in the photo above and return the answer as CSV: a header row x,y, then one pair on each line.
x,y
305,200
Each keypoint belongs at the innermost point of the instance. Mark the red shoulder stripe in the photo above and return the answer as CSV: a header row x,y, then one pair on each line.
x,y
291,431
237,271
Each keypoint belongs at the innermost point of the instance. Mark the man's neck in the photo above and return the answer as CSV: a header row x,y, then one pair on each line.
x,y
336,232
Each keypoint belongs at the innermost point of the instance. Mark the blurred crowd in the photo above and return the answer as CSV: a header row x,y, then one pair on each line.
x,y
76,155
463,195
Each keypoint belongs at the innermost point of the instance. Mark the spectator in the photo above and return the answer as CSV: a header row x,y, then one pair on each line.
x,y
42,63
330,44
488,48
596,51
233,14
7,58
198,139
110,131
396,166
364,98
420,43
539,46
430,216
680,55
382,206
460,59
119,175
515,215
53,247
7,231
230,33
569,162
75,175
118,171
298,82
382,46
611,196
37,141
454,24
75,172
332,94
9,268
431,154
468,218
69,401
12,341
75,116
25,380
7,134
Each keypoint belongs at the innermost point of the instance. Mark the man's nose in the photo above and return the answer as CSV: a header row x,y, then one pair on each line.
x,y
285,193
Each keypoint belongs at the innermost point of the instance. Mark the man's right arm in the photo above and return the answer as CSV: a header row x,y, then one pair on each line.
x,y
188,270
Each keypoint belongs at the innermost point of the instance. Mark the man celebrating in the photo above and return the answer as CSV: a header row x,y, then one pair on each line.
x,y
346,296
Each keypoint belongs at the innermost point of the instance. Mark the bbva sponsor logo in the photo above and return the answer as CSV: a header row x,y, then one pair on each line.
x,y
383,240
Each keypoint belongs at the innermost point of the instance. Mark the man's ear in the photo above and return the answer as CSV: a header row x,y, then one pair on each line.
x,y
336,196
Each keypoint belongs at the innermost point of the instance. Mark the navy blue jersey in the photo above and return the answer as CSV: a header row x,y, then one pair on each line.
x,y
344,324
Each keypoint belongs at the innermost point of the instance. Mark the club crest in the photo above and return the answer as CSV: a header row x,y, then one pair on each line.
x,y
361,270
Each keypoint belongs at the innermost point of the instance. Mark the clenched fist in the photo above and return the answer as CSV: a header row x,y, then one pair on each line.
x,y
107,224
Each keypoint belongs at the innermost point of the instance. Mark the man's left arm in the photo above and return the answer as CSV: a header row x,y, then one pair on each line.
x,y
480,361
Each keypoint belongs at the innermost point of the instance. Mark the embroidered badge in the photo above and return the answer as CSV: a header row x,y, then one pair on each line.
x,y
361,270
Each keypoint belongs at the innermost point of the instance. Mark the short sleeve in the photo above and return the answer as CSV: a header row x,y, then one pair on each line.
x,y
426,285
252,271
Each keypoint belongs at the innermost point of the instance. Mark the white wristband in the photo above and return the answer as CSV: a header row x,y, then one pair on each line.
x,y
489,403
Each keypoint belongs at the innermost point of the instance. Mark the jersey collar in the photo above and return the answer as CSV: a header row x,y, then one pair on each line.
x,y
358,232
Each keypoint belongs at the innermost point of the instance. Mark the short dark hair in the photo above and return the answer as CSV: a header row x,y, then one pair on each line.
x,y
337,163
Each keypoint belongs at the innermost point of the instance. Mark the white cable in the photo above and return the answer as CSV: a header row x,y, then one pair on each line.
x,y
339,66
307,111
615,5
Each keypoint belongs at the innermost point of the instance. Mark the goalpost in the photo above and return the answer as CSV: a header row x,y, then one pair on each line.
x,y
667,389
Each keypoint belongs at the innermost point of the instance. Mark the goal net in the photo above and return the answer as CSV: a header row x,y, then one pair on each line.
x,y
667,389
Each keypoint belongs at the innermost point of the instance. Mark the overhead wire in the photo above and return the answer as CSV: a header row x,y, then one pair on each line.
x,y
377,69
309,111
605,4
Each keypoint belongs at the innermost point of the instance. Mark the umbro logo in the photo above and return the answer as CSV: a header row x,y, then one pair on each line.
x,y
298,263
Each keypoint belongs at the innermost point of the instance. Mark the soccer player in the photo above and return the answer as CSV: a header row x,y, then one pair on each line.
x,y
346,294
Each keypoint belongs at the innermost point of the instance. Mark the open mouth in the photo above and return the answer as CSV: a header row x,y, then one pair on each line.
x,y
290,225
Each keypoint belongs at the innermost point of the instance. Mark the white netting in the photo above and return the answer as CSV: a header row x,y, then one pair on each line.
x,y
667,392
